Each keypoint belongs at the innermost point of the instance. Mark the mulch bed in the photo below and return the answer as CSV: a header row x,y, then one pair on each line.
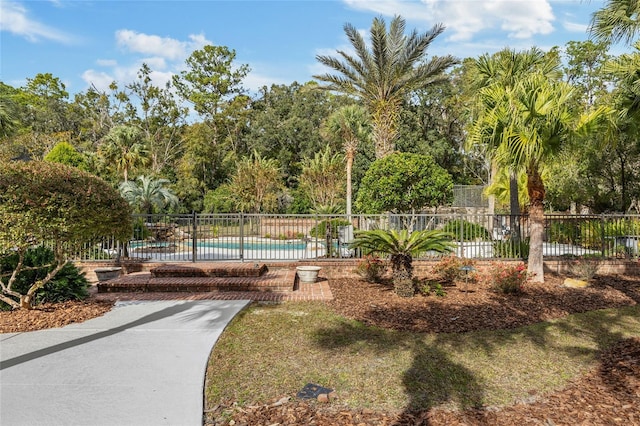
x,y
51,315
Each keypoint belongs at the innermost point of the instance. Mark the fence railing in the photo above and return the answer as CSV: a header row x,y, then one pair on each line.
x,y
240,237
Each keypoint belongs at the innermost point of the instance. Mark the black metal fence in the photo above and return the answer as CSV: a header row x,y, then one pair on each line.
x,y
239,237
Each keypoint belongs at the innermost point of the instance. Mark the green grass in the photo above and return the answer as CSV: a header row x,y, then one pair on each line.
x,y
270,351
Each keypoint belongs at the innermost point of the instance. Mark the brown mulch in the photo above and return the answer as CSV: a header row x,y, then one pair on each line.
x,y
51,315
607,395
475,306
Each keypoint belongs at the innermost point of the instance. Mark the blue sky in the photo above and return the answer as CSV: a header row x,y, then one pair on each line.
x,y
98,41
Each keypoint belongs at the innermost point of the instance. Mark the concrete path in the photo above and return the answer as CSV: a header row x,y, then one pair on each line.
x,y
142,363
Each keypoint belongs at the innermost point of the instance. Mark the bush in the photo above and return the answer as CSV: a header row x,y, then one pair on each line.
x,y
426,287
68,284
320,231
507,278
371,268
470,231
447,270
510,250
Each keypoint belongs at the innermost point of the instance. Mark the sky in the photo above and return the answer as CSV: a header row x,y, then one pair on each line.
x,y
92,43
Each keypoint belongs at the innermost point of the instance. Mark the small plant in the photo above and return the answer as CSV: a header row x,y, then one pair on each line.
x,y
508,278
584,269
300,235
426,287
282,237
371,268
448,269
267,235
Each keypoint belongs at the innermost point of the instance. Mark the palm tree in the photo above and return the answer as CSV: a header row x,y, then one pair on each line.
x,y
401,247
528,124
618,20
383,77
148,195
124,147
351,125
503,71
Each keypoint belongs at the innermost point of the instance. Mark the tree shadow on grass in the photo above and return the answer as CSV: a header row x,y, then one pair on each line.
x,y
432,379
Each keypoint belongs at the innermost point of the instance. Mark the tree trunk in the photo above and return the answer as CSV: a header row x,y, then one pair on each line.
x,y
349,189
514,208
402,268
385,127
536,190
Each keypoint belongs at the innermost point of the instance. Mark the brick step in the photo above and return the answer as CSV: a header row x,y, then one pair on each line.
x,y
274,281
222,269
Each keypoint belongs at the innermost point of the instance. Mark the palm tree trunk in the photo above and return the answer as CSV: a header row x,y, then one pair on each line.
x,y
349,188
402,269
514,207
385,127
536,190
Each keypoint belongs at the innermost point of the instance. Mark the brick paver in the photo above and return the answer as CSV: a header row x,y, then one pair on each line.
x,y
319,290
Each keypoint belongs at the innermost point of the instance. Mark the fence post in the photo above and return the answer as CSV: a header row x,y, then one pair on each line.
x,y
603,238
242,236
194,237
461,234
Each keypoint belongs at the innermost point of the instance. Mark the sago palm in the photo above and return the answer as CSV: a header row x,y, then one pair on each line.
x,y
402,246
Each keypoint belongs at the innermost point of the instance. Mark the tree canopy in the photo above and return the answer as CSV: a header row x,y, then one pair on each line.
x,y
53,204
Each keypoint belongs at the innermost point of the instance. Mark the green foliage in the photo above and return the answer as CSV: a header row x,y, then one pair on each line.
x,y
68,284
507,278
470,231
402,246
320,230
65,153
220,200
323,178
50,203
509,249
140,230
148,195
428,286
404,183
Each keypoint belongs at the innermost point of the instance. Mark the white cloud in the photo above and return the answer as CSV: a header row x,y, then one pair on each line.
x,y
164,47
464,19
99,80
575,28
14,19
107,62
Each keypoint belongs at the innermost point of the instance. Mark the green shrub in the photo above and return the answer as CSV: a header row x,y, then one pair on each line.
x,y
426,287
320,231
564,232
470,231
140,230
68,284
510,250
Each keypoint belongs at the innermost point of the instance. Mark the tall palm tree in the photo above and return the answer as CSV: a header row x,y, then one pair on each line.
x,y
382,77
528,125
618,20
124,147
504,70
401,247
351,124
148,195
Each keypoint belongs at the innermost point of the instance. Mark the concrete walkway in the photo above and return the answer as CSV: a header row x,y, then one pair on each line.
x,y
142,363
